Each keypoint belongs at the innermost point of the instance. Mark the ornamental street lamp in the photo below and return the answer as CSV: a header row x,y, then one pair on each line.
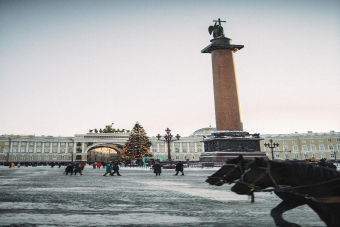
x,y
168,138
271,145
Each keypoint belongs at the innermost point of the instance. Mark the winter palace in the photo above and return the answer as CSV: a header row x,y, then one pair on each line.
x,y
107,146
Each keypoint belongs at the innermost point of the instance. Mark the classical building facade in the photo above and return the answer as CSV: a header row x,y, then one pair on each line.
x,y
301,146
107,146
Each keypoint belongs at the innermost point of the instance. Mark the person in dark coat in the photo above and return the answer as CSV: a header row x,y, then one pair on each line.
x,y
69,169
157,168
77,169
179,168
115,169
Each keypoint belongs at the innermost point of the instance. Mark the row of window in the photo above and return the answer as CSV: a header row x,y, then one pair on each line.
x,y
177,150
305,156
39,158
38,150
190,157
313,147
39,144
305,141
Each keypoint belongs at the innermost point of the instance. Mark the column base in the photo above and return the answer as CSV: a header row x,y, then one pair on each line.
x,y
223,145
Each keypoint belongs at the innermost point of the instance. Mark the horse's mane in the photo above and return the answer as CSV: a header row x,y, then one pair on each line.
x,y
244,162
299,173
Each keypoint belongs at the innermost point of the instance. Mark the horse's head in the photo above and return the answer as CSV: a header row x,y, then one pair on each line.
x,y
256,177
228,173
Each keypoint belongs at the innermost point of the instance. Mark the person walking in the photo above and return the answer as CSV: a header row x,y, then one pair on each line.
x,y
179,168
157,168
18,165
77,169
115,169
94,165
108,169
69,169
99,165
82,164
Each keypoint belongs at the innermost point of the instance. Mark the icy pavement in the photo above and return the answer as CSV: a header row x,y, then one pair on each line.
x,y
43,196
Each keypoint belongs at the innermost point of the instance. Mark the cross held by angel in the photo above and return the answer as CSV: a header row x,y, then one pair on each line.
x,y
217,29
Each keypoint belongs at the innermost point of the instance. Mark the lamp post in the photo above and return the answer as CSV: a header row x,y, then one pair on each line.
x,y
271,145
168,138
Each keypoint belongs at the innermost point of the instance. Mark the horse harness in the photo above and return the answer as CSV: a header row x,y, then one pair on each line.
x,y
238,165
278,188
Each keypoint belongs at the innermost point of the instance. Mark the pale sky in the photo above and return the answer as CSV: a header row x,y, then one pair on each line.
x,y
70,66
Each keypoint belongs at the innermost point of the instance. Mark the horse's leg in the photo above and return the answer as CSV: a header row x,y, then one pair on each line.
x,y
335,220
277,212
329,218
252,197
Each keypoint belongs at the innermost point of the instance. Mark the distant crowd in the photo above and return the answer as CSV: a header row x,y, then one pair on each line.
x,y
111,168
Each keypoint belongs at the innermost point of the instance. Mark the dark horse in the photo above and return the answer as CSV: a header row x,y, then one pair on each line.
x,y
230,172
317,187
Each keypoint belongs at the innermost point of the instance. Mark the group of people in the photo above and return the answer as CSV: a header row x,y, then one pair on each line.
x,y
96,165
157,168
12,165
114,167
74,168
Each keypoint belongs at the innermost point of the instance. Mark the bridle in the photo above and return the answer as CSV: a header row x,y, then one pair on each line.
x,y
221,179
252,185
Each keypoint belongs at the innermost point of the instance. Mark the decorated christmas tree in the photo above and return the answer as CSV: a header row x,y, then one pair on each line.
x,y
138,145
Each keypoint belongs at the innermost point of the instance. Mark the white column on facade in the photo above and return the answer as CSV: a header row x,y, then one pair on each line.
x,y
74,150
195,147
43,147
10,147
58,148
35,148
180,147
157,147
203,147
83,147
51,147
27,147
66,148
188,148
19,146
173,147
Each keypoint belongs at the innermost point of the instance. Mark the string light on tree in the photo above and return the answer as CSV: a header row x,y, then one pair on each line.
x,y
137,146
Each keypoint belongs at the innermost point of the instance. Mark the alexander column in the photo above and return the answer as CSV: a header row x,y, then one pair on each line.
x,y
227,107
230,140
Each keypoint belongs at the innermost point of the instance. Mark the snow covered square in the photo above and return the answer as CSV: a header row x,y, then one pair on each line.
x,y
44,196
